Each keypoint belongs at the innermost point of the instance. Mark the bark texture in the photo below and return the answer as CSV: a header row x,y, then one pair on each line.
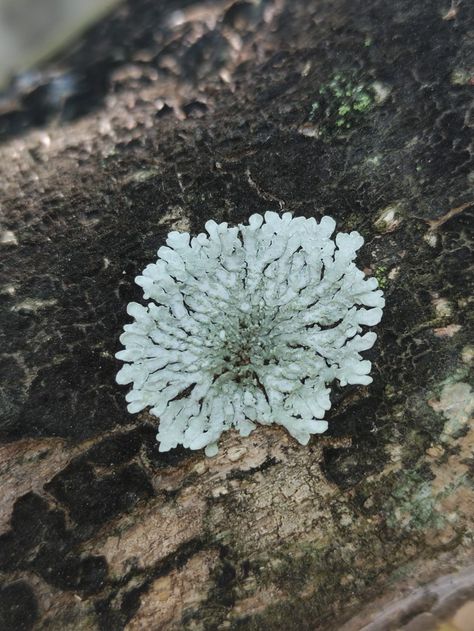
x,y
168,114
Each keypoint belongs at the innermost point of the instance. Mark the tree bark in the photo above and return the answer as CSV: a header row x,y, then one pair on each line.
x,y
166,115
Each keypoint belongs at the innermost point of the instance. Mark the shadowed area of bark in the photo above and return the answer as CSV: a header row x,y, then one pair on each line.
x,y
177,112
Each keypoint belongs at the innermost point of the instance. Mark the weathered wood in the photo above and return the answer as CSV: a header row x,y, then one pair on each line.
x,y
210,113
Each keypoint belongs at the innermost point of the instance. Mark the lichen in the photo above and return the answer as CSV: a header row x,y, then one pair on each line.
x,y
249,324
414,504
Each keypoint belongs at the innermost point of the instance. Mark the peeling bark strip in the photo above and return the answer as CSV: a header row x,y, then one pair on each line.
x,y
180,112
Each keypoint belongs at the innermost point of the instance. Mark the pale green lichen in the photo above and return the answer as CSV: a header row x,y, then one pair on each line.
x,y
456,403
413,505
249,324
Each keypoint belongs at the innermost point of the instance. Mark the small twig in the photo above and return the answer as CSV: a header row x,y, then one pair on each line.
x,y
436,223
452,11
264,194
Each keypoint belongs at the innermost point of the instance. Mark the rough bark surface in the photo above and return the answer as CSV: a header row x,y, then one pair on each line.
x,y
168,114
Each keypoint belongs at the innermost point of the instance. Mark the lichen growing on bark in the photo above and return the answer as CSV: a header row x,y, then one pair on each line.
x,y
249,324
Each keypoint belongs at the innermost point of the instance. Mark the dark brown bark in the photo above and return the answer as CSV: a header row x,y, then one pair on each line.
x,y
357,109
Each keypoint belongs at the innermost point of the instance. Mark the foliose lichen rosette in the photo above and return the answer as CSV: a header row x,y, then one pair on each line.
x,y
246,325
